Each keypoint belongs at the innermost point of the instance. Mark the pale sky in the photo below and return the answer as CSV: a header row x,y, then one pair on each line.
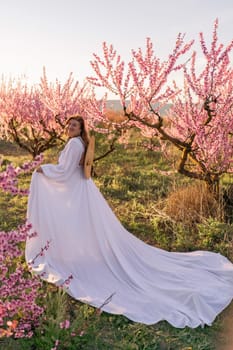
x,y
62,34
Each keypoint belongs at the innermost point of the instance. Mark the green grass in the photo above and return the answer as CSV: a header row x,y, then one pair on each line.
x,y
105,331
133,189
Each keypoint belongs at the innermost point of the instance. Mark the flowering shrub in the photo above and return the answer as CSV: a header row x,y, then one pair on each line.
x,y
19,313
18,291
8,178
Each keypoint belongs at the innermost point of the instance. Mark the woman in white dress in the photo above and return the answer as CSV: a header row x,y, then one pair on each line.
x,y
81,244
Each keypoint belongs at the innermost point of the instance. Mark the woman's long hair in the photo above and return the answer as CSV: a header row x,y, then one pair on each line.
x,y
84,132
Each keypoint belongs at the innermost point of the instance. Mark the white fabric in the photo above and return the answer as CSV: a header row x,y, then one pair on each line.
x,y
108,264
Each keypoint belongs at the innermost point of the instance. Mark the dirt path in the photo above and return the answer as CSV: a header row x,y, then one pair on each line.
x,y
225,340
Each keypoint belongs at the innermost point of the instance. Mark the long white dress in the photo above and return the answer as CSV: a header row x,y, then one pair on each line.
x,y
108,267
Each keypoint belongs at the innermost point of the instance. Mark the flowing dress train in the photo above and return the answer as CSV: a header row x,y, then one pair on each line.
x,y
80,243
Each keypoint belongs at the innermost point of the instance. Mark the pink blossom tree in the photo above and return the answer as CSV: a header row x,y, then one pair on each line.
x,y
24,118
199,122
34,116
203,120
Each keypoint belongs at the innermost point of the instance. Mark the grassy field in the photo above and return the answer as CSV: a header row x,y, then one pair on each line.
x,y
154,208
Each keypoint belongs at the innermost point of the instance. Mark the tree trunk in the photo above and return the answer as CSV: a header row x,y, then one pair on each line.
x,y
213,186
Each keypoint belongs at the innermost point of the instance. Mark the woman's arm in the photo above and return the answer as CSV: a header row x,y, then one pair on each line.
x,y
69,161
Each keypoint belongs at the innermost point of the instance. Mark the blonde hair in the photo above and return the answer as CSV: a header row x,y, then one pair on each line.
x,y
84,132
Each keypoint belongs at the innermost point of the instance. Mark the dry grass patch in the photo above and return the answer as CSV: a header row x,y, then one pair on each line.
x,y
191,204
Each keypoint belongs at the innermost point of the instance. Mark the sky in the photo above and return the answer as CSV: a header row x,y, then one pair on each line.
x,y
62,35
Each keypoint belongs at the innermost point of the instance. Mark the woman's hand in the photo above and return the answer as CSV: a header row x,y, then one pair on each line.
x,y
39,170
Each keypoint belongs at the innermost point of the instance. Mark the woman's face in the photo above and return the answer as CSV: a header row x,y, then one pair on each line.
x,y
73,128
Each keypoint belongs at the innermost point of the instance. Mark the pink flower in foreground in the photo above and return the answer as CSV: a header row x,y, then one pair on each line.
x,y
65,324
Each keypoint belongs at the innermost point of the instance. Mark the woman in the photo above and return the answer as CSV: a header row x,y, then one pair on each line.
x,y
80,243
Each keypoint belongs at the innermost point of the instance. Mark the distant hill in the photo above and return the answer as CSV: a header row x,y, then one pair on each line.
x,y
116,105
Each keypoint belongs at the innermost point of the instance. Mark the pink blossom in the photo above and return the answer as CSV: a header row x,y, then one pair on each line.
x,y
65,324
